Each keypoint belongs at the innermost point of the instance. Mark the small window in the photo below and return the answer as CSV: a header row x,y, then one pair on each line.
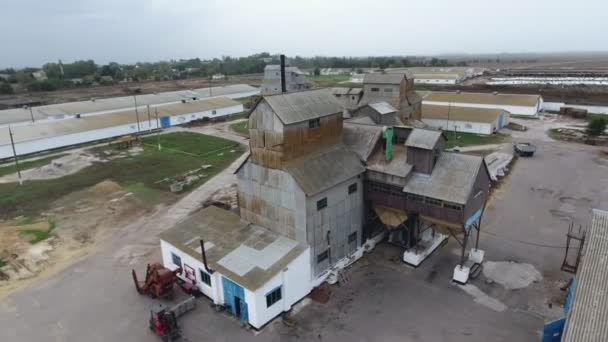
x,y
273,296
388,90
352,188
353,98
177,261
322,203
452,206
468,125
352,237
375,89
214,112
321,257
433,201
205,277
314,123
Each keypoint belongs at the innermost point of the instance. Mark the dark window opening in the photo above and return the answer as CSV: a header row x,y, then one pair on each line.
x,y
375,89
352,188
352,237
314,123
177,261
273,296
321,257
205,277
322,203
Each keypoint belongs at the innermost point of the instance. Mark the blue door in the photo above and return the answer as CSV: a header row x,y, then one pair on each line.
x,y
553,331
499,121
165,122
234,296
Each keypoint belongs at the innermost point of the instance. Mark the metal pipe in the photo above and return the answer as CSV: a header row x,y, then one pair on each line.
x,y
283,82
210,271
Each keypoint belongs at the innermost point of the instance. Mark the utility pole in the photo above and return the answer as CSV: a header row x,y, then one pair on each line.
x,y
447,127
10,133
157,129
149,121
136,113
31,113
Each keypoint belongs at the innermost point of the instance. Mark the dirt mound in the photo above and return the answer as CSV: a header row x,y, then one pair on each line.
x,y
107,187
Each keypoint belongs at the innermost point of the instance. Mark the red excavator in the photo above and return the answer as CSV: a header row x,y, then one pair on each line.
x,y
159,281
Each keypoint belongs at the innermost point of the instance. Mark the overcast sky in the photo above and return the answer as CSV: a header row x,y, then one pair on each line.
x,y
126,31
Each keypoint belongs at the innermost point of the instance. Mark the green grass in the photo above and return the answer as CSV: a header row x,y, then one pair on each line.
x,y
2,263
25,220
328,80
10,168
181,152
469,139
241,128
39,235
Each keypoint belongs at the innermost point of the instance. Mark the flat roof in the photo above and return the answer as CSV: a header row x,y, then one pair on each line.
x,y
483,98
588,316
249,255
458,113
15,115
49,129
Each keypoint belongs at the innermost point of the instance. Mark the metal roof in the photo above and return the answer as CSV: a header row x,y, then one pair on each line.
x,y
397,166
396,78
361,138
383,107
437,76
304,105
588,317
114,104
320,171
97,121
484,98
339,90
423,138
458,113
249,255
452,178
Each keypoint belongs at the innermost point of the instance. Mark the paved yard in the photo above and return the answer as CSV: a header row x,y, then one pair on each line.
x,y
94,299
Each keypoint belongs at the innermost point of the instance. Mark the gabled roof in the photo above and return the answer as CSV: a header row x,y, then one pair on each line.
x,y
452,178
483,98
361,138
320,171
457,113
383,78
304,105
589,308
423,138
383,107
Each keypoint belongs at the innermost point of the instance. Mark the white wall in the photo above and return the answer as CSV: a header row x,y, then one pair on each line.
x,y
460,126
514,110
434,81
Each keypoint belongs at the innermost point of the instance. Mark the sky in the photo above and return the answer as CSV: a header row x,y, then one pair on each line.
x,y
128,31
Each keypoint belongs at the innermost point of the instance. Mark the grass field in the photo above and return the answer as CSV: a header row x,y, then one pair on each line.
x,y
469,139
39,234
241,128
143,173
9,168
328,80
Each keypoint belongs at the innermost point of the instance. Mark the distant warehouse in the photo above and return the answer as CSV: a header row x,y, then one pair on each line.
x,y
61,133
465,119
516,104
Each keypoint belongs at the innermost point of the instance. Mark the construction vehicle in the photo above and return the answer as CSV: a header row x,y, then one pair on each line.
x,y
159,281
163,320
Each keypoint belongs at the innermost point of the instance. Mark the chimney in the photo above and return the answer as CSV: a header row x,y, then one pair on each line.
x,y
283,82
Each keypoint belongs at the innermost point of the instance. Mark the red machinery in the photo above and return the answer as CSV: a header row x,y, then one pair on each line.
x,y
163,323
159,281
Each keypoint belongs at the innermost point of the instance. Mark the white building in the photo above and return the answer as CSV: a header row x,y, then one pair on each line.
x,y
447,79
218,77
516,104
256,273
465,119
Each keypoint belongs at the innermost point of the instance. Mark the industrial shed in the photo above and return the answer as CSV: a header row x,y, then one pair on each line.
x,y
516,104
588,315
437,78
61,133
465,119
256,273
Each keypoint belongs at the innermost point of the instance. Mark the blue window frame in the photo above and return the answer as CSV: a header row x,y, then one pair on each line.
x,y
273,296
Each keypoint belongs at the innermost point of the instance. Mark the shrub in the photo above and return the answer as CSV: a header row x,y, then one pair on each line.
x,y
597,126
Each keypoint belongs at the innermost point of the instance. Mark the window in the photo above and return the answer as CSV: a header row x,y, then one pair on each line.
x,y
468,125
452,206
314,123
352,188
321,257
214,112
352,98
433,201
388,90
375,89
177,261
322,203
205,277
352,237
273,296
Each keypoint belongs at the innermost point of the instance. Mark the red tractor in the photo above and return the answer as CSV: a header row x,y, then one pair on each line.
x,y
159,281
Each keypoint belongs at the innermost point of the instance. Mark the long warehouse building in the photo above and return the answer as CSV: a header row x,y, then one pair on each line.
x,y
516,104
23,116
54,134
465,119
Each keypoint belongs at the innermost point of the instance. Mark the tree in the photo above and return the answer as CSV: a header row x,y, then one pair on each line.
x,y
317,72
6,88
597,126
